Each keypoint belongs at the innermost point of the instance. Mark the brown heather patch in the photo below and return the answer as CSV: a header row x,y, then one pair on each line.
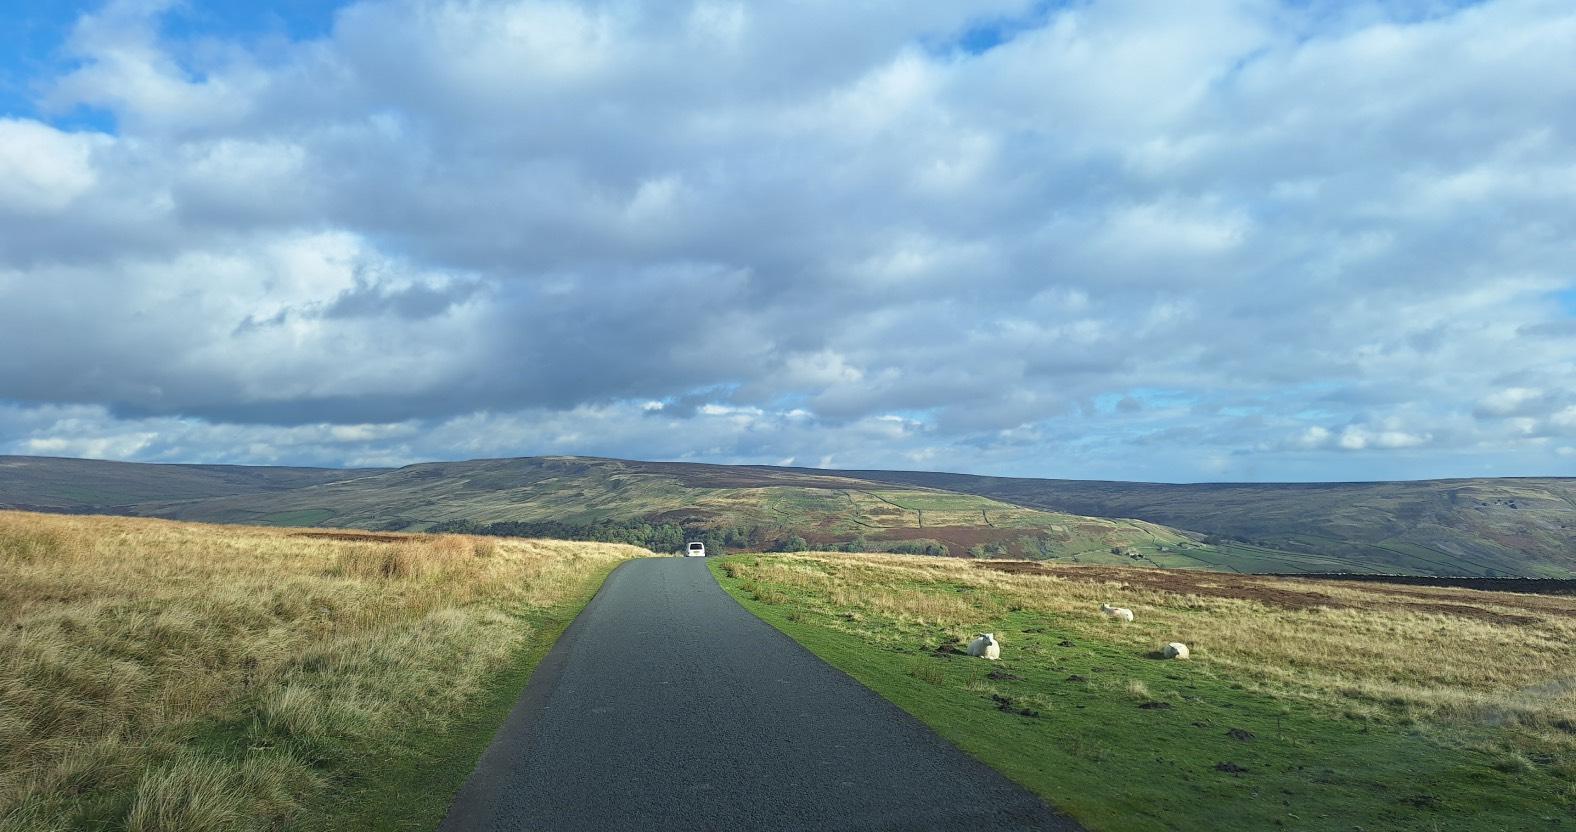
x,y
1556,605
1467,611
1211,584
1285,593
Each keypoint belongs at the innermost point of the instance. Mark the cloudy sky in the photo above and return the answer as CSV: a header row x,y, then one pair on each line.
x,y
1140,240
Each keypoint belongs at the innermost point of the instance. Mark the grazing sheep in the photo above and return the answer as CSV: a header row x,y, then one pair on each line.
x,y
985,646
1121,613
1175,650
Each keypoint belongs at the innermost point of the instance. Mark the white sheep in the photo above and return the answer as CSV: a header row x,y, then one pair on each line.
x,y
1175,650
1121,613
985,646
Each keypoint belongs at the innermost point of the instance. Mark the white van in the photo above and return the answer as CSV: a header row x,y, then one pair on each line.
x,y
696,550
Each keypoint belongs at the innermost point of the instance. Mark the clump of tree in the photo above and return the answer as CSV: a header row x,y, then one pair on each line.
x,y
793,543
658,537
987,550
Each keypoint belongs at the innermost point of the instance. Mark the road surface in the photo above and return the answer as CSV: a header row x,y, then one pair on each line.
x,y
666,705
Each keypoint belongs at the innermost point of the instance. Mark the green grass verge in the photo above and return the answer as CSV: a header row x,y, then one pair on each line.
x,y
411,789
1126,741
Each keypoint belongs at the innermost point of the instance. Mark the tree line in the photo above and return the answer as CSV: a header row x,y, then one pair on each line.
x,y
671,537
658,537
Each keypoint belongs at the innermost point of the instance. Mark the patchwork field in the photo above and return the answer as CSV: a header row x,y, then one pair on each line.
x,y
1306,704
172,676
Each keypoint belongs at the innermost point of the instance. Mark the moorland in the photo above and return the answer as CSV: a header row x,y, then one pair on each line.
x,y
1469,527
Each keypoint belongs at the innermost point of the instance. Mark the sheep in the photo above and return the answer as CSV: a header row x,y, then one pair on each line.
x,y
1123,614
985,646
1175,650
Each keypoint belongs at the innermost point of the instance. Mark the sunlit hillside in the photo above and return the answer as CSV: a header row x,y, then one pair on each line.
x,y
1476,527
733,506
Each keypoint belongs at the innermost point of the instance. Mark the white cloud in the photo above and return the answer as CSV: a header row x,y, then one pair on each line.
x,y
95,447
667,231
1314,437
1358,438
1509,401
819,370
43,170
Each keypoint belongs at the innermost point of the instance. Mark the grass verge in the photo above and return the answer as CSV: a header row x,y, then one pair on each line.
x,y
1377,729
412,787
173,676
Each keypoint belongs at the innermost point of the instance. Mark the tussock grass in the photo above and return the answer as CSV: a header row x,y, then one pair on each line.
x,y
412,558
175,676
1388,707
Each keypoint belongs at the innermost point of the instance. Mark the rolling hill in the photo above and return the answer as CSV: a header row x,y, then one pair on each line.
x,y
1483,526
60,484
759,507
1470,527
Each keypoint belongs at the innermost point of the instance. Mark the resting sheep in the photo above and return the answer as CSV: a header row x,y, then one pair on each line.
x,y
985,646
1175,650
1122,613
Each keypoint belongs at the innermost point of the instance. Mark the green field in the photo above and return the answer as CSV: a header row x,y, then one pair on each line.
x,y
301,517
1253,733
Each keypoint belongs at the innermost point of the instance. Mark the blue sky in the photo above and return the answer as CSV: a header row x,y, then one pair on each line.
x,y
34,43
30,43
1227,240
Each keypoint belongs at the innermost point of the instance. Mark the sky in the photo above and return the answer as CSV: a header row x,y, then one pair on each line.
x,y
1138,240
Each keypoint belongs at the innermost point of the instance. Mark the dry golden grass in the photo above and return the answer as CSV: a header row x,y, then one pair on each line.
x,y
120,639
1429,654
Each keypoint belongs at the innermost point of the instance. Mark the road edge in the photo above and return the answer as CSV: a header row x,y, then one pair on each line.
x,y
471,803
1070,823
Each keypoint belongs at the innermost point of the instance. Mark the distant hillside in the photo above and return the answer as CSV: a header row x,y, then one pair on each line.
x,y
1475,527
91,485
764,506
1479,527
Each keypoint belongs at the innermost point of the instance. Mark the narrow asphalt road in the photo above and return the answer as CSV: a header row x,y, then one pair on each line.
x,y
666,705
